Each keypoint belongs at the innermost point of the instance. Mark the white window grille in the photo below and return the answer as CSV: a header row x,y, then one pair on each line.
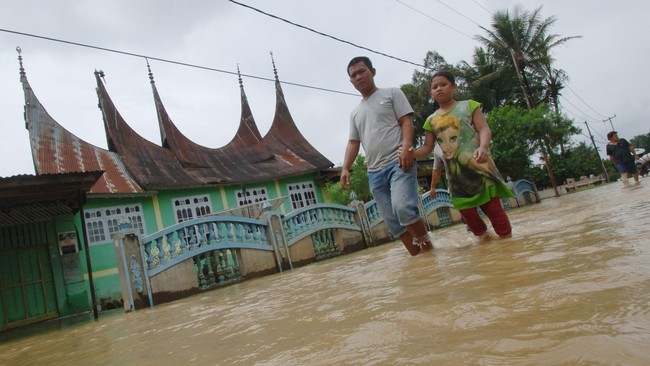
x,y
302,194
187,208
251,195
103,223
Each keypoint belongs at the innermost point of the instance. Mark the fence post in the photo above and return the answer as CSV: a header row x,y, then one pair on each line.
x,y
277,238
364,223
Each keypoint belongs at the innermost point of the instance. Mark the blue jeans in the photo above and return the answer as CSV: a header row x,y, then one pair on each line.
x,y
396,194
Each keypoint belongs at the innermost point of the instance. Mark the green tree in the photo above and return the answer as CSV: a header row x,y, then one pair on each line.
x,y
641,141
510,148
358,184
523,41
488,80
577,161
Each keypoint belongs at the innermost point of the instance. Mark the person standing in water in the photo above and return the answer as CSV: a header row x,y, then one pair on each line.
x,y
623,157
461,131
382,122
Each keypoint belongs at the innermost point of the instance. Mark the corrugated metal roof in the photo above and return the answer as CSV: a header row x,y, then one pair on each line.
x,y
133,164
55,150
247,158
27,198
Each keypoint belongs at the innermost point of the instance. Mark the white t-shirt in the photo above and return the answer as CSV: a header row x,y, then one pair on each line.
x,y
374,122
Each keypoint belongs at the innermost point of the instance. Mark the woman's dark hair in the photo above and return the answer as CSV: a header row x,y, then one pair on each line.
x,y
366,61
445,74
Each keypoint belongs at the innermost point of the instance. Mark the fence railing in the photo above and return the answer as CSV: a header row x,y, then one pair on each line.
x,y
214,242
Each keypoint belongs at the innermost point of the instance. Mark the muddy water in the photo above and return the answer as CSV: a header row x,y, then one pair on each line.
x,y
571,287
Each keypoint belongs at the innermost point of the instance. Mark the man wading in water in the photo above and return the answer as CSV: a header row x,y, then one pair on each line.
x,y
382,122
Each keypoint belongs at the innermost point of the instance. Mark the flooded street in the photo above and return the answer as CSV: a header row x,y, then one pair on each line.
x,y
571,287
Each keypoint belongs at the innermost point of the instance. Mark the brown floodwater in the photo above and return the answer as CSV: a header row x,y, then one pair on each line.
x,y
572,287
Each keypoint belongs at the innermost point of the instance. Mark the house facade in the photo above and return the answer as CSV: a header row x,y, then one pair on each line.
x,y
154,186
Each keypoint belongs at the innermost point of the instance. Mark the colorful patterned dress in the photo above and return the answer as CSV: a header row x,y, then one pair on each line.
x,y
470,184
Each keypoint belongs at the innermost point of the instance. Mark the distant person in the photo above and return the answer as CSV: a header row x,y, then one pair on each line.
x,y
382,122
623,156
460,129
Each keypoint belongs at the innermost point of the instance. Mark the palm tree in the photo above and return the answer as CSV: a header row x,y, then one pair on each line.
x,y
522,40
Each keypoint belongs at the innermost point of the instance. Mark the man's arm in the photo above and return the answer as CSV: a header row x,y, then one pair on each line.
x,y
351,152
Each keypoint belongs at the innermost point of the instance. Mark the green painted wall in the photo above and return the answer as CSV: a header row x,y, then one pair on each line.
x,y
103,258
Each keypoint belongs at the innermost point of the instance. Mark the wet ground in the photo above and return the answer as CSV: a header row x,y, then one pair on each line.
x,y
572,287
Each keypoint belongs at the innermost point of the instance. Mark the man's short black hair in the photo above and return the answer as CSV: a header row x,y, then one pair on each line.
x,y
610,134
366,61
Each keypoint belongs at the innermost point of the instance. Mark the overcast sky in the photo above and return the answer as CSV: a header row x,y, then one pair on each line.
x,y
607,67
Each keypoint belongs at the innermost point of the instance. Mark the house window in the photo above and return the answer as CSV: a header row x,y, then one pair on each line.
x,y
248,196
187,208
103,223
302,194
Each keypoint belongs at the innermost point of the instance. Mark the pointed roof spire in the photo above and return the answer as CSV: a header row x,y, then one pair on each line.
x,y
275,70
150,73
241,83
20,61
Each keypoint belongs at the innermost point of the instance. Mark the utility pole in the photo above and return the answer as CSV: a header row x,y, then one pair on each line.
x,y
610,121
602,165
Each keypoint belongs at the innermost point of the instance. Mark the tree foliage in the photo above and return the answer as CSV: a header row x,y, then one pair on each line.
x,y
641,141
358,184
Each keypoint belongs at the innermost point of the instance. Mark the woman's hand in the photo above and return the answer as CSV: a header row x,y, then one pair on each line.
x,y
481,155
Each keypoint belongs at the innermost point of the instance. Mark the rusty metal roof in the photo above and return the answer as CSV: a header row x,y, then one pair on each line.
x,y
133,164
180,162
55,150
27,198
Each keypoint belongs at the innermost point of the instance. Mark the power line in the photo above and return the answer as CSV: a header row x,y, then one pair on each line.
x,y
435,20
171,61
325,34
482,7
584,115
458,12
576,94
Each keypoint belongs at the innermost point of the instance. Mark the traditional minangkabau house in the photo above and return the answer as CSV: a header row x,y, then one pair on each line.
x,y
156,186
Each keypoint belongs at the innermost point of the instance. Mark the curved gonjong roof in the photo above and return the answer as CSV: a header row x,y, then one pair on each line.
x,y
55,150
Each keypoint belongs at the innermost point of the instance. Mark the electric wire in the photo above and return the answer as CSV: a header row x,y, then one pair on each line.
x,y
326,35
171,61
576,94
434,19
302,27
482,7
458,12
584,115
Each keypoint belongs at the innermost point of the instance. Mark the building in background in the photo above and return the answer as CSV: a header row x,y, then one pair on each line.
x,y
147,185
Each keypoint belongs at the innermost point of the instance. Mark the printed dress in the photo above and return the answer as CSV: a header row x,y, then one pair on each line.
x,y
470,184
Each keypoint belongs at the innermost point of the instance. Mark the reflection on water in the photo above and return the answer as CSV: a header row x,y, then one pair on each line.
x,y
571,287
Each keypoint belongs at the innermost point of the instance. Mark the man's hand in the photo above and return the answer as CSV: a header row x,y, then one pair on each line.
x,y
405,158
345,179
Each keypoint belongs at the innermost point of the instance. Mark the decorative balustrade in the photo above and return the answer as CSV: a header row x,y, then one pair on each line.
x,y
443,199
308,220
215,244
524,185
525,188
373,212
179,242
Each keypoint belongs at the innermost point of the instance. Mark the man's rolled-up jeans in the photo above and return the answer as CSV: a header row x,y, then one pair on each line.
x,y
396,195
